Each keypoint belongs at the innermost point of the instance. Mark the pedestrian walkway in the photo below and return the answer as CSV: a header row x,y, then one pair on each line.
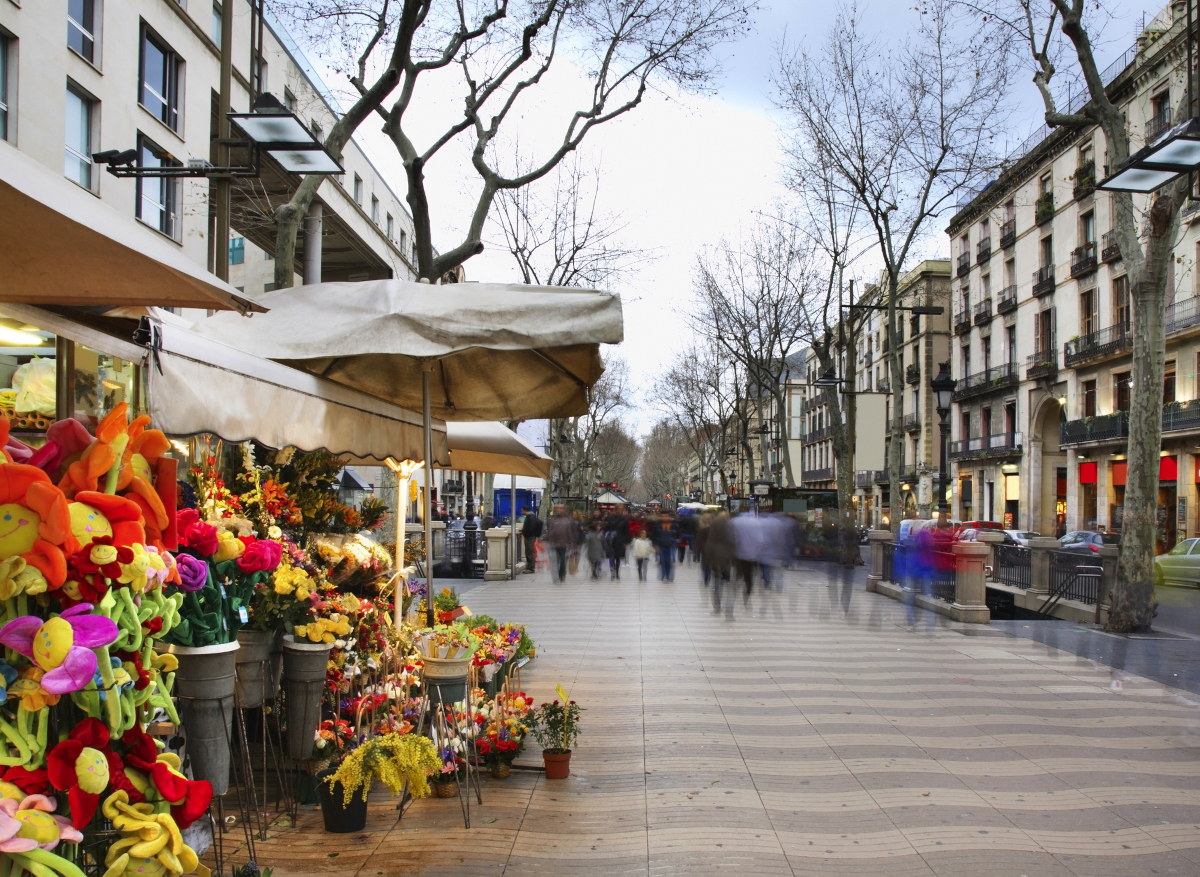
x,y
812,734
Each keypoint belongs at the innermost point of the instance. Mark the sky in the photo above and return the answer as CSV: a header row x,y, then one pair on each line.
x,y
683,170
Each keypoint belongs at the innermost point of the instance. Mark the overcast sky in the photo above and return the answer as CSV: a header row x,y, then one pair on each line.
x,y
684,172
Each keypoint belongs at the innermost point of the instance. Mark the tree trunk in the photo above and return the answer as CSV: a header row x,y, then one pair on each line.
x,y
1133,602
896,382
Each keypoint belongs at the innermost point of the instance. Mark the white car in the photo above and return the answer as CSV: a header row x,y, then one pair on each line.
x,y
1022,536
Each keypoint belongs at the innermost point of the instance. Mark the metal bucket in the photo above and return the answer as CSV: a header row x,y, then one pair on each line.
x,y
275,667
304,666
205,686
252,660
446,679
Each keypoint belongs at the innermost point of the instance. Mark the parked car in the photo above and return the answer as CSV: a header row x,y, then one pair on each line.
x,y
1180,565
982,525
971,534
1086,541
1022,537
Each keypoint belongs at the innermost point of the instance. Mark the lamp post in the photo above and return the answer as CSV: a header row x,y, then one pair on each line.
x,y
943,387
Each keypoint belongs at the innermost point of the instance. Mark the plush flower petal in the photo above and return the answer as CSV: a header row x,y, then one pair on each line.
x,y
8,826
195,804
28,781
18,634
140,750
60,764
66,833
74,674
81,609
18,845
39,802
91,732
83,806
93,631
170,785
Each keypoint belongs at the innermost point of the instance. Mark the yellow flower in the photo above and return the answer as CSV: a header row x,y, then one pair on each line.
x,y
229,547
134,572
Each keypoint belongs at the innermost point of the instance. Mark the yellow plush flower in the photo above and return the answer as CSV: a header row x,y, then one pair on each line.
x,y
134,572
229,547
19,577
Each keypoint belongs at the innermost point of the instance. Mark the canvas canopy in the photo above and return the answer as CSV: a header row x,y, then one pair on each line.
x,y
610,498
493,447
493,351
64,246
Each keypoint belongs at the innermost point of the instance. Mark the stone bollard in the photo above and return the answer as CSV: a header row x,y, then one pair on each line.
x,y
499,554
1041,550
991,538
1110,557
970,588
878,539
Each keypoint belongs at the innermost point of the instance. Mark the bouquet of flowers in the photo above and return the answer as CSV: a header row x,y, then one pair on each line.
x,y
446,642
503,725
332,739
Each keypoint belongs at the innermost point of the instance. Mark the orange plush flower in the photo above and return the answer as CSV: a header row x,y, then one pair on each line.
x,y
34,520
101,514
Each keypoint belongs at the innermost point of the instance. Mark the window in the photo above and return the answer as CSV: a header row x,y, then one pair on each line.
x,y
403,241
964,244
985,229
160,68
986,343
1047,251
5,48
319,133
966,359
1045,184
391,228
157,197
81,17
1121,312
1087,228
1010,272
237,251
1010,211
965,425
374,210
1011,340
1085,153
268,257
414,253
260,74
985,422
1043,325
214,27
358,190
1010,417
1169,383
80,113
985,286
1089,313
1121,391
289,99
1088,391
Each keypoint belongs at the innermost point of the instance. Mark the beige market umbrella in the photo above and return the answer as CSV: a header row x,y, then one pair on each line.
x,y
493,447
477,351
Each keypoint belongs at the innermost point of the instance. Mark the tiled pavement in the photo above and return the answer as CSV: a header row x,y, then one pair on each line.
x,y
791,740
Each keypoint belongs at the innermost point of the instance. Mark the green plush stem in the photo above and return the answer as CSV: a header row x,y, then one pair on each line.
x,y
162,696
133,639
22,604
54,864
43,733
36,741
18,741
112,695
87,700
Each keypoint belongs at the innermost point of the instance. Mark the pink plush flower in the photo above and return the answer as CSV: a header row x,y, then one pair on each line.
x,y
262,555
62,646
32,823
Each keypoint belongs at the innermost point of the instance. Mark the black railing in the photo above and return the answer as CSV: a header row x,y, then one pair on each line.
x,y
889,561
983,251
1178,416
1085,180
1006,300
912,374
1074,576
964,264
1083,259
1041,364
999,445
1110,250
815,435
818,474
1012,566
867,477
962,322
1157,124
1104,428
912,422
983,311
904,566
1098,345
1044,207
1183,314
998,377
1043,280
1008,234
881,476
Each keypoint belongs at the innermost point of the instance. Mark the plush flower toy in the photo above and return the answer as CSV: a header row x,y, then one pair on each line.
x,y
151,843
61,646
34,524
29,830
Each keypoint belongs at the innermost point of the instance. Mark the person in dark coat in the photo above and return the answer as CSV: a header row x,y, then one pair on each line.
x,y
716,554
531,529
665,539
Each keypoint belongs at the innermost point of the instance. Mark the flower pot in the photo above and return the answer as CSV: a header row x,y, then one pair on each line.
x,y
204,683
304,666
339,817
252,660
445,790
446,678
558,764
275,666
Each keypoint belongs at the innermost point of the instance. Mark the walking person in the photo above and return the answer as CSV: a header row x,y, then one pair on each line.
x,y
716,555
595,550
698,545
561,536
643,550
665,540
531,529
616,542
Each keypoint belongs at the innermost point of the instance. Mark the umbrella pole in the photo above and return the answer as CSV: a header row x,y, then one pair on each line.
x,y
428,494
512,519
401,495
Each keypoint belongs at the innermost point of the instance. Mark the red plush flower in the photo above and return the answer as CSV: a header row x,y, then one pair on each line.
x,y
31,782
262,555
79,767
140,750
201,538
94,564
139,673
189,798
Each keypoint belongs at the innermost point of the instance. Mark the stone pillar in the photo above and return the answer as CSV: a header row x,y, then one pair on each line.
x,y
1102,492
499,554
991,538
878,539
970,589
1187,490
1074,519
1110,556
438,529
1040,550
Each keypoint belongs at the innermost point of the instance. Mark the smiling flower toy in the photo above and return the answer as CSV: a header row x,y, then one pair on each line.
x,y
61,646
34,522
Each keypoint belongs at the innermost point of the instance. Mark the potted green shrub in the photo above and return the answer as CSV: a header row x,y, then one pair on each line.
x,y
556,728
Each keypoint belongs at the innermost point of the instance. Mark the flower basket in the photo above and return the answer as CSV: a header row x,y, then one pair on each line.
x,y
444,790
252,660
205,684
341,818
501,770
304,669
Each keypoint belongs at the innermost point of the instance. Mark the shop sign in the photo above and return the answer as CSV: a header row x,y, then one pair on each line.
x,y
1182,510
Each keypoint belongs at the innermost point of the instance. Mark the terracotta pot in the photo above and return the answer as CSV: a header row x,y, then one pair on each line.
x,y
558,764
445,790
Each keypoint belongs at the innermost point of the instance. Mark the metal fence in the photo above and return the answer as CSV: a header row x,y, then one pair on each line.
x,y
901,567
1075,576
1012,566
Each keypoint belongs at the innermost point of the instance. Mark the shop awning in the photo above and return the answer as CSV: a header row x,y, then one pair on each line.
x,y
64,246
492,447
199,385
610,498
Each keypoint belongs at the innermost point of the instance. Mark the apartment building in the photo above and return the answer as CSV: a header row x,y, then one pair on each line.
x,y
1043,332
81,76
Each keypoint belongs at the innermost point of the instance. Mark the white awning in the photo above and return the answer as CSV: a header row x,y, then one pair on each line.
x,y
492,447
64,246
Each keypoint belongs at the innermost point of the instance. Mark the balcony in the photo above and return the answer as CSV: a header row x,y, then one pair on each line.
x,y
1043,281
962,322
1095,430
909,478
1109,250
1085,180
912,422
983,251
912,374
818,474
1183,314
1157,124
1191,209
983,311
1008,444
1007,300
995,379
1043,209
1043,364
1098,345
964,264
1180,416
1083,259
885,386
817,401
816,435
1008,234
881,476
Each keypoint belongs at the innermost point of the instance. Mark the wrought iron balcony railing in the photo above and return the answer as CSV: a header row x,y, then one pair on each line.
x,y
964,264
1043,281
1181,416
1183,314
983,311
1110,251
1098,345
1083,259
1088,430
1003,445
983,251
1008,234
912,374
996,378
1043,209
1157,124
818,474
1042,364
1006,300
1085,180
912,422
962,322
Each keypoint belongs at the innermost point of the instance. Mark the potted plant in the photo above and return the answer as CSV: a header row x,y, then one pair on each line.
x,y
394,759
556,727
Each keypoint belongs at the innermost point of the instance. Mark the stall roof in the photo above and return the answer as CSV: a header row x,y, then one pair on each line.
x,y
610,498
64,246
492,447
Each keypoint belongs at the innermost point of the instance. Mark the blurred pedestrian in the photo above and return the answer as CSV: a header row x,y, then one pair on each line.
x,y
643,550
531,529
665,541
717,555
561,536
595,550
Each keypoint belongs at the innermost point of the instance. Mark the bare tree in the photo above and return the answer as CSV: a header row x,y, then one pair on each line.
x,y
900,129
502,50
665,454
1048,30
615,451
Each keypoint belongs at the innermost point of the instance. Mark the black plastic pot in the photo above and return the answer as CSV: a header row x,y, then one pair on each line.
x,y
340,819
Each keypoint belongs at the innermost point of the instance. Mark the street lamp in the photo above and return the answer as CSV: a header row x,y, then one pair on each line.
x,y
943,388
1174,153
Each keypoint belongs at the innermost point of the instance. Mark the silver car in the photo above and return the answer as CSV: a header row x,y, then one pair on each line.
x,y
1180,565
1022,537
